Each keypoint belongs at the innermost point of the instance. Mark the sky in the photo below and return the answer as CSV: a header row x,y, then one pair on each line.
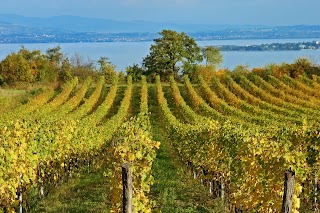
x,y
220,12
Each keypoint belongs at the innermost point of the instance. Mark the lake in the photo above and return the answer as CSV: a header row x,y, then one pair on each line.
x,y
124,54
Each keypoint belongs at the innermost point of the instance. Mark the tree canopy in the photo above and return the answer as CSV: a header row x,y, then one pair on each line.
x,y
212,56
171,52
107,68
30,66
135,72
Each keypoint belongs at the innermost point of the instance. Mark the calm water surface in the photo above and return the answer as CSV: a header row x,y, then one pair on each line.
x,y
124,54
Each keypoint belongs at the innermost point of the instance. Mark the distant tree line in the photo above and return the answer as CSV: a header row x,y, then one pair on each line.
x,y
173,53
26,66
273,47
299,68
177,54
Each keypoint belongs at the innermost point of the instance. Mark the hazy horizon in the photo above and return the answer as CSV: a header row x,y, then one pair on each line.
x,y
227,12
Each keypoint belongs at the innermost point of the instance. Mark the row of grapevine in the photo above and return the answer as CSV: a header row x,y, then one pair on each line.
x,y
307,81
312,93
35,152
250,162
248,133
29,107
89,103
188,114
104,107
217,103
63,109
58,100
73,102
277,83
265,96
260,82
256,114
284,114
39,106
133,143
199,104
249,113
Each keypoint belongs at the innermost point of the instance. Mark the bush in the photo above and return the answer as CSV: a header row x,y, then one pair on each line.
x,y
15,68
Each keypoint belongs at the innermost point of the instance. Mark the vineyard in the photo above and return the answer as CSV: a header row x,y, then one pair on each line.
x,y
238,136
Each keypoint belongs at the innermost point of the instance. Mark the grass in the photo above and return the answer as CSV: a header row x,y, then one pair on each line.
x,y
86,193
116,103
174,189
135,102
104,92
12,98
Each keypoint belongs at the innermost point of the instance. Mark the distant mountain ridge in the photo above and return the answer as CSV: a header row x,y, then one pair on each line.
x,y
99,25
70,29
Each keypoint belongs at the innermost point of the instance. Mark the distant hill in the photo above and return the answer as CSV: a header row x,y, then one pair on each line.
x,y
20,29
83,24
17,29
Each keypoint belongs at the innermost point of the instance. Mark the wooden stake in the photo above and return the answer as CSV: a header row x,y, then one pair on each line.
x,y
127,188
289,180
20,195
315,192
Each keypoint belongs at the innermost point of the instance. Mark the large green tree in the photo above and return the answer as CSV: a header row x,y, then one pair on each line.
x,y
170,52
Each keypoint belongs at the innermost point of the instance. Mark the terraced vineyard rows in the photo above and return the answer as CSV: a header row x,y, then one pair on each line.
x,y
239,136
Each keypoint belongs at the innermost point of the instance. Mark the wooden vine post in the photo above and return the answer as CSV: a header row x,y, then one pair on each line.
x,y
315,192
20,195
289,180
127,188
